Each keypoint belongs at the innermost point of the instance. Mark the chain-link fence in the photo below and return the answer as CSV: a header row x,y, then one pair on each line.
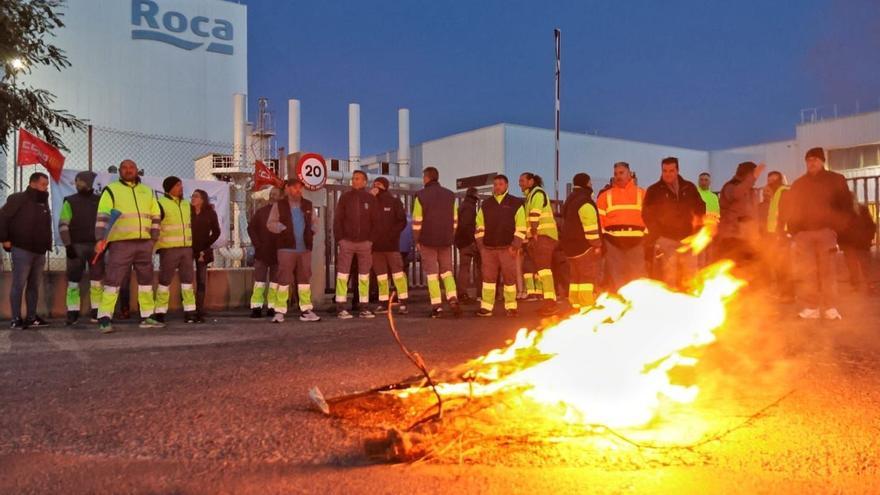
x,y
98,148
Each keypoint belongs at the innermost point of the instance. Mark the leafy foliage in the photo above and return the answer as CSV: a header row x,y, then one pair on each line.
x,y
25,26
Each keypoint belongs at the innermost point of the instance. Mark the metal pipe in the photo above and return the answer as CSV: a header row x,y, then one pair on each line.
x,y
403,142
239,131
343,177
293,126
354,137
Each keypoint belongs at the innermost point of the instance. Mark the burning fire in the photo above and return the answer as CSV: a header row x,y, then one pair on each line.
x,y
608,364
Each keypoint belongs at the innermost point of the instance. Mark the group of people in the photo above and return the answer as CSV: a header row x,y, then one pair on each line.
x,y
110,234
786,238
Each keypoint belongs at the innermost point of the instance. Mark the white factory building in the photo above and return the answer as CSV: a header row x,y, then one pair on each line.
x,y
852,143
154,79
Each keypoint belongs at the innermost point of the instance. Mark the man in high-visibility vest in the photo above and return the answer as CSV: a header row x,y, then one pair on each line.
x,y
581,242
130,242
175,250
501,229
435,218
620,215
76,226
713,209
543,236
779,254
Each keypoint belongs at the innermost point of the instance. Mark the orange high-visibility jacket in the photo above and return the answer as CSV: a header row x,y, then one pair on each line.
x,y
620,211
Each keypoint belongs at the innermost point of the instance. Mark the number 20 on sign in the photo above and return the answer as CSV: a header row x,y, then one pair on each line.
x,y
312,170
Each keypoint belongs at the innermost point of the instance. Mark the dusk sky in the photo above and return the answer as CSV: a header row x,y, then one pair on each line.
x,y
700,74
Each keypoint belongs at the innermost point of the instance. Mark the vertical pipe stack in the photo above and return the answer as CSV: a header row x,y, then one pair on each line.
x,y
354,137
239,132
293,126
403,142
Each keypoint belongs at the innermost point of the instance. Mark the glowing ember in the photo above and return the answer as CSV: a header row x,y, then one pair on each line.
x,y
608,364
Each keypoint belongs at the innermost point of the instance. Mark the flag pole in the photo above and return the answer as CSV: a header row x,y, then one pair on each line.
x,y
15,173
557,34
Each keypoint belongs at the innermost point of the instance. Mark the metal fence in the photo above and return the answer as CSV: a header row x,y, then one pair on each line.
x,y
98,148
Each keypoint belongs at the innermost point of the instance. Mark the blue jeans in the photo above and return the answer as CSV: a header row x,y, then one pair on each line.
x,y
27,269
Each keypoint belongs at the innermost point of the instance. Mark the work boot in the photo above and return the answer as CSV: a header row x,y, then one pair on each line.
x,y
402,310
309,315
343,314
105,325
257,313
36,321
160,317
189,318
549,308
366,314
270,312
278,318
72,318
484,312
17,324
437,312
151,323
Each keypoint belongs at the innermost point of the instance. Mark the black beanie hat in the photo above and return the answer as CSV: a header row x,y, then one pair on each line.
x,y
169,183
581,180
816,153
384,182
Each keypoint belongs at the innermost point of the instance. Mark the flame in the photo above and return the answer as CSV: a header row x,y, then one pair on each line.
x,y
699,241
608,364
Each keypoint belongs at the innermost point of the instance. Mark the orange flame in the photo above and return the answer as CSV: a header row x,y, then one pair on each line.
x,y
609,364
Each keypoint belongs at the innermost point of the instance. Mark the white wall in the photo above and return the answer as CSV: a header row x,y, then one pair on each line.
x,y
145,85
480,151
531,149
840,133
780,155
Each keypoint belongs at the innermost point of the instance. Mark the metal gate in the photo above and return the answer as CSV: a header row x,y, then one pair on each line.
x,y
415,275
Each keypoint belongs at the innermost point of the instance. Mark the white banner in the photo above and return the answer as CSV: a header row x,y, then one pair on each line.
x,y
218,192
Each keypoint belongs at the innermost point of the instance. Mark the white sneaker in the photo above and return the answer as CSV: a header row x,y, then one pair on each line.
x,y
278,318
344,315
810,314
833,314
309,315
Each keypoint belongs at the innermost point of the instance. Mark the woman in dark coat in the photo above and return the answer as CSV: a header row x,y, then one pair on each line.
x,y
205,231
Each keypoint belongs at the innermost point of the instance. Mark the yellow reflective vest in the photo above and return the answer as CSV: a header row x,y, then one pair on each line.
x,y
540,212
773,210
139,208
175,229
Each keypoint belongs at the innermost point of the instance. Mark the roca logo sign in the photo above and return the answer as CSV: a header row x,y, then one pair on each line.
x,y
150,22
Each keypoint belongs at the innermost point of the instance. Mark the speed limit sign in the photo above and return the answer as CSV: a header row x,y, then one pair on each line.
x,y
312,170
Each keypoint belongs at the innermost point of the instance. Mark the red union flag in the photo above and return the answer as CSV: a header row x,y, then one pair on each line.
x,y
264,176
33,150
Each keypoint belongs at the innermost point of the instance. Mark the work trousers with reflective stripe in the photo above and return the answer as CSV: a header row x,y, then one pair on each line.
x,y
437,264
817,275
121,256
179,259
259,296
390,264
624,264
348,250
541,251
583,275
76,267
294,267
498,261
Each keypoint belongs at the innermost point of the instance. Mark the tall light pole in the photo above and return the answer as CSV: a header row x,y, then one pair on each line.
x,y
557,34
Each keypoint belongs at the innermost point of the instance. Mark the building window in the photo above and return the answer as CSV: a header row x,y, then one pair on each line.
x,y
855,157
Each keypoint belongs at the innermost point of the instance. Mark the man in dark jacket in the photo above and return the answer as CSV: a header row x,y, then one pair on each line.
x,y
293,219
581,242
265,259
468,254
738,230
353,222
673,210
387,262
434,221
26,231
819,206
855,241
76,226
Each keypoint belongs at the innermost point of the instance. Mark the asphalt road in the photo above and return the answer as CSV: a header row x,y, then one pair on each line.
x,y
223,407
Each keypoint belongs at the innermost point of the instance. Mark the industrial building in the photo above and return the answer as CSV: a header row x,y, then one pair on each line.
x,y
153,78
852,142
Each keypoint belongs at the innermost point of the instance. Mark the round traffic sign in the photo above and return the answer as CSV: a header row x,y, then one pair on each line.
x,y
312,170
